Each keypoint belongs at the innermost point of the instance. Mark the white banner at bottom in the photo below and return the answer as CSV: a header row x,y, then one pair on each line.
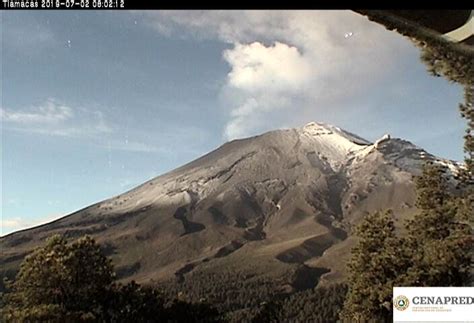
x,y
433,304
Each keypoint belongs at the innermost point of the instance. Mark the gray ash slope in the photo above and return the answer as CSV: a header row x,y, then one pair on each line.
x,y
280,202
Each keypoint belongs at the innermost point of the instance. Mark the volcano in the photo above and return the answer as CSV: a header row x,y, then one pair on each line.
x,y
275,209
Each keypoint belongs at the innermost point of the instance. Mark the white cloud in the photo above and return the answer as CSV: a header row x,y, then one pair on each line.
x,y
49,112
18,223
11,225
298,60
265,77
256,67
55,119
130,146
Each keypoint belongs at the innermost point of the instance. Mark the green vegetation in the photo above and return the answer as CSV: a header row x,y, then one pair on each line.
x,y
247,298
439,237
75,282
375,267
435,251
320,305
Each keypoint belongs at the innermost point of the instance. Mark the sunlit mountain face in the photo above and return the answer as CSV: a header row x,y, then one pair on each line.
x,y
277,208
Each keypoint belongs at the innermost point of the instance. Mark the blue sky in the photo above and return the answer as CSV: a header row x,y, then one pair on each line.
x,y
95,103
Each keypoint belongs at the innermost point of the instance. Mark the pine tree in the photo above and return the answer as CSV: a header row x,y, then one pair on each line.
x,y
439,240
439,247
271,312
377,262
74,282
134,303
60,281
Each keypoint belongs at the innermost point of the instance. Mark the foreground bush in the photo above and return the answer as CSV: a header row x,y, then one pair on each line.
x,y
75,283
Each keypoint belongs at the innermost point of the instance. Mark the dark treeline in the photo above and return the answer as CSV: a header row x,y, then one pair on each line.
x,y
75,282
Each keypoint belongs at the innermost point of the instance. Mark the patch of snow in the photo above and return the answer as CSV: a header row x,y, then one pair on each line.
x,y
384,138
316,129
364,151
333,142
319,128
452,166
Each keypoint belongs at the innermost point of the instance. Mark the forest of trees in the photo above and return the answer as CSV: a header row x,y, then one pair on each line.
x,y
75,282
435,251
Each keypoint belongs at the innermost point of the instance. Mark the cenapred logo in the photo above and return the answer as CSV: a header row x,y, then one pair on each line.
x,y
433,304
401,303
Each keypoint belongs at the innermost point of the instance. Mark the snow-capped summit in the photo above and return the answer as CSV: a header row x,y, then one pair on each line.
x,y
331,142
319,128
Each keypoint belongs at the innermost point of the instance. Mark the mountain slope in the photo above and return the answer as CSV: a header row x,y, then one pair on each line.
x,y
279,207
